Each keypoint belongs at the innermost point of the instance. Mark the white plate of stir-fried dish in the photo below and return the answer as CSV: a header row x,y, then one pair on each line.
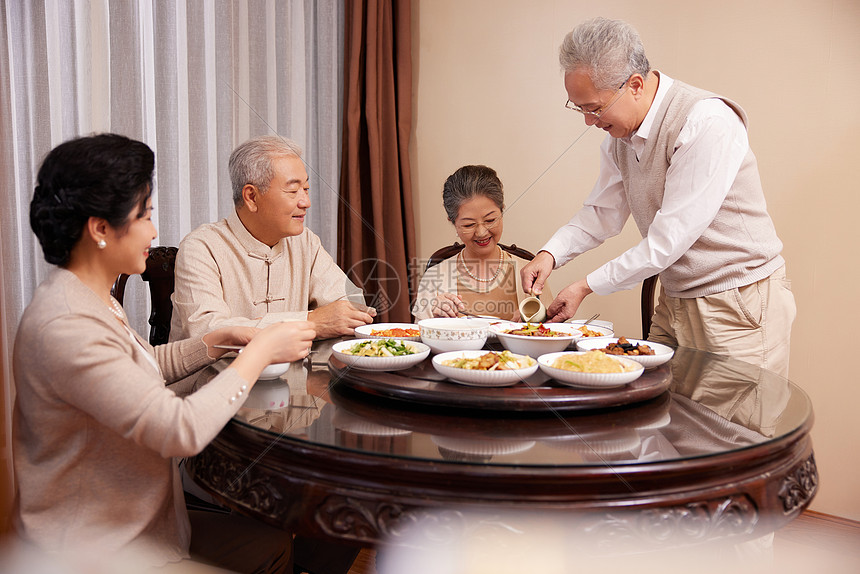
x,y
485,368
648,353
380,354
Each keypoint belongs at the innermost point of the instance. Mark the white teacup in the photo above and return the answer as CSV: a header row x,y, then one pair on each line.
x,y
532,310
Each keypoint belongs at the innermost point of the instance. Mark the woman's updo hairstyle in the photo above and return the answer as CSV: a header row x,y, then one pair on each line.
x,y
104,176
470,181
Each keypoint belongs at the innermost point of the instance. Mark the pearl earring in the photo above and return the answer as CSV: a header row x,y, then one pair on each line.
x,y
102,244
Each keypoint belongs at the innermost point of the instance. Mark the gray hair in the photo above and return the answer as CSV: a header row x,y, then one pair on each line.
x,y
470,181
610,50
251,162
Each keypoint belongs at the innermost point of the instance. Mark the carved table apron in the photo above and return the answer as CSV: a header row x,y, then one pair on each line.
x,y
733,460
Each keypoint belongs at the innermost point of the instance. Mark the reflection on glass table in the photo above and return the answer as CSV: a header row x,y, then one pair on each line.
x,y
722,452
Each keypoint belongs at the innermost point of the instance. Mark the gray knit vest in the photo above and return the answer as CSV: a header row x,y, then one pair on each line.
x,y
740,246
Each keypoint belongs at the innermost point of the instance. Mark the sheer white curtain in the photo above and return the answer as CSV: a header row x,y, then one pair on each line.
x,y
192,79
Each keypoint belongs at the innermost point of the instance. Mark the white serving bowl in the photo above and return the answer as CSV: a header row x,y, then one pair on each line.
x,y
379,363
662,353
535,346
488,321
589,380
274,371
442,334
479,378
365,331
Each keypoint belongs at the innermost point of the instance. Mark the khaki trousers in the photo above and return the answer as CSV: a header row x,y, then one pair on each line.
x,y
751,323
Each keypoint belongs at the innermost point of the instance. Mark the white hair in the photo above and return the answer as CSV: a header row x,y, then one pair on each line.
x,y
610,50
251,162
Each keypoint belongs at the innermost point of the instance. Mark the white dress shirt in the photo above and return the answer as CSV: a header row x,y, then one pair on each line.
x,y
708,153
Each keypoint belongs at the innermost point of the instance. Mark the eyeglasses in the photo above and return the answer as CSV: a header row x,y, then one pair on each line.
x,y
489,224
599,111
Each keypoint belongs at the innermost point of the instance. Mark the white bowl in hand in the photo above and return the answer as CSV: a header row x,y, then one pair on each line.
x,y
274,371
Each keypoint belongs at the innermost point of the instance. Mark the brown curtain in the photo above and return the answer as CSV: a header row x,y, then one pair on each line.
x,y
376,238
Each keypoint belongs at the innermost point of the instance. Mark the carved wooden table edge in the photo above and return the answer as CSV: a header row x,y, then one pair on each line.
x,y
346,496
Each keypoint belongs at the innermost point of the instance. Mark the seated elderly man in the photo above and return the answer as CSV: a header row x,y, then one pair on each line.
x,y
261,265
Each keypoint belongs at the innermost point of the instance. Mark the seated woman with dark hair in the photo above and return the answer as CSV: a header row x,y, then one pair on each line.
x,y
97,434
482,279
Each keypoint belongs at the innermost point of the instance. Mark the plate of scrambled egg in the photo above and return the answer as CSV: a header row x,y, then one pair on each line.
x,y
590,369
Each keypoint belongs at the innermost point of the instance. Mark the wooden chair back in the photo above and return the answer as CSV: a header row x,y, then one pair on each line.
x,y
648,303
451,250
159,275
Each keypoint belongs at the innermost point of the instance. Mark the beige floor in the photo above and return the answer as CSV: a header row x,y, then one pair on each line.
x,y
818,543
812,543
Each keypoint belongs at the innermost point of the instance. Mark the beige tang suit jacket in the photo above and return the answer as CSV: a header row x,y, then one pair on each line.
x,y
224,276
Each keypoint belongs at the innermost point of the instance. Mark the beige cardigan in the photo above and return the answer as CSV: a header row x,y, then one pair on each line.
x,y
225,276
95,429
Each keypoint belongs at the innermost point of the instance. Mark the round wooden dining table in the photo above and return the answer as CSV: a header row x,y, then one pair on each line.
x,y
701,448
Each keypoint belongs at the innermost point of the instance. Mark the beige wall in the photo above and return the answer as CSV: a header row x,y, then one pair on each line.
x,y
488,90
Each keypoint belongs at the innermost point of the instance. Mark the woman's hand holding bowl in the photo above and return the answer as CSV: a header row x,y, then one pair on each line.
x,y
282,342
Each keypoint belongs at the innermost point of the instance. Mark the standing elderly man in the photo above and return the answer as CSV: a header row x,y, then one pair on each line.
x,y
261,265
677,158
